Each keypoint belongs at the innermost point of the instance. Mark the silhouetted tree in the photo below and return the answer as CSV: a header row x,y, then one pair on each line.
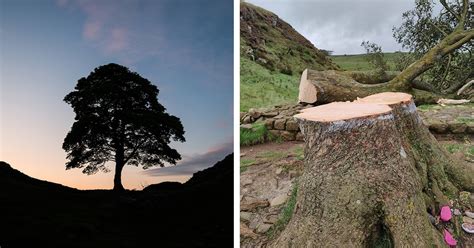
x,y
118,118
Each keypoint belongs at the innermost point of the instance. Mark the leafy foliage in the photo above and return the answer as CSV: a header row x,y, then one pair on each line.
x,y
118,118
375,57
422,29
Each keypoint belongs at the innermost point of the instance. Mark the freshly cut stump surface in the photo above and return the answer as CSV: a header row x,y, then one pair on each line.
x,y
389,98
339,111
372,170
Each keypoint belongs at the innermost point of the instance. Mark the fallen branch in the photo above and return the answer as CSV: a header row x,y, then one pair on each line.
x,y
444,101
466,86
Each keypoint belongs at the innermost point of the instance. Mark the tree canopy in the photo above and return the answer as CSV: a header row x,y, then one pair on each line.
x,y
423,28
118,118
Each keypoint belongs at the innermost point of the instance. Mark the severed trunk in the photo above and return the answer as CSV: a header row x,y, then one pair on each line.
x,y
370,177
324,87
446,46
320,87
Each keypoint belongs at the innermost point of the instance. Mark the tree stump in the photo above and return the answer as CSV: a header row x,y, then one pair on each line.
x,y
441,174
371,170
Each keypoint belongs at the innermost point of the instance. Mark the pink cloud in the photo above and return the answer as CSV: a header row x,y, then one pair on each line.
x,y
91,30
109,28
117,41
62,3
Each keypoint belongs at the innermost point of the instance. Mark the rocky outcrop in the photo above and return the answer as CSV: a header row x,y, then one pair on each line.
x,y
276,45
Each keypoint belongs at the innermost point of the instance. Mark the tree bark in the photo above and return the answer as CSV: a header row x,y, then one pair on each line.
x,y
119,164
446,46
442,175
320,87
370,176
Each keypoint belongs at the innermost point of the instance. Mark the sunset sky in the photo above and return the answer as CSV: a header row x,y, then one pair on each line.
x,y
183,47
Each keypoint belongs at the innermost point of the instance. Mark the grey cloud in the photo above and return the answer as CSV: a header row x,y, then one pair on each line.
x,y
341,25
193,163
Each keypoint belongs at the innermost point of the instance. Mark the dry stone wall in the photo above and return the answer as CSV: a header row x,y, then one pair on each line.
x,y
280,123
278,120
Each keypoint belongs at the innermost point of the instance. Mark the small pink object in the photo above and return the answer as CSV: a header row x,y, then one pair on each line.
x,y
445,213
449,239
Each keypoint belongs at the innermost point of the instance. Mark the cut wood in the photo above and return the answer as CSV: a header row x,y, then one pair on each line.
x,y
339,111
320,87
466,86
444,101
370,175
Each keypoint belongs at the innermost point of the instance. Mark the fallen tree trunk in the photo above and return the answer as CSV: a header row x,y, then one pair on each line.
x,y
371,171
320,87
330,86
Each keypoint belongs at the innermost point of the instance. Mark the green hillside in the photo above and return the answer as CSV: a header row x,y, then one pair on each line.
x,y
358,62
274,44
260,87
273,55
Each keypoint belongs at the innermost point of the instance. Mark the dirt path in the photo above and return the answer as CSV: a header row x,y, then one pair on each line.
x,y
268,176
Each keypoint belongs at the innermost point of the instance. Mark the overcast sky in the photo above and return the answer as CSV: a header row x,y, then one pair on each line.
x,y
342,25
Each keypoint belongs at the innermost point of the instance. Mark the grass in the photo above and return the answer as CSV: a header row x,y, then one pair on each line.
x,y
465,120
245,163
453,148
257,135
299,153
272,155
427,107
358,62
470,151
261,88
466,149
286,214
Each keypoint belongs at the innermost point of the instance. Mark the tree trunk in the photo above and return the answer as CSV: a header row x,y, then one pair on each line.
x,y
119,164
371,168
332,86
441,174
446,46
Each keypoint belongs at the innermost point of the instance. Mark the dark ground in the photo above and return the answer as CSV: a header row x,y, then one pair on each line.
x,y
198,213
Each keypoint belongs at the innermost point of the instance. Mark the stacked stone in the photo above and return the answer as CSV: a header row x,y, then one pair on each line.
x,y
278,120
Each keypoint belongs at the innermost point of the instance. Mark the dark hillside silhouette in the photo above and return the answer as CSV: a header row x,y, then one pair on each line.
x,y
118,118
198,213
